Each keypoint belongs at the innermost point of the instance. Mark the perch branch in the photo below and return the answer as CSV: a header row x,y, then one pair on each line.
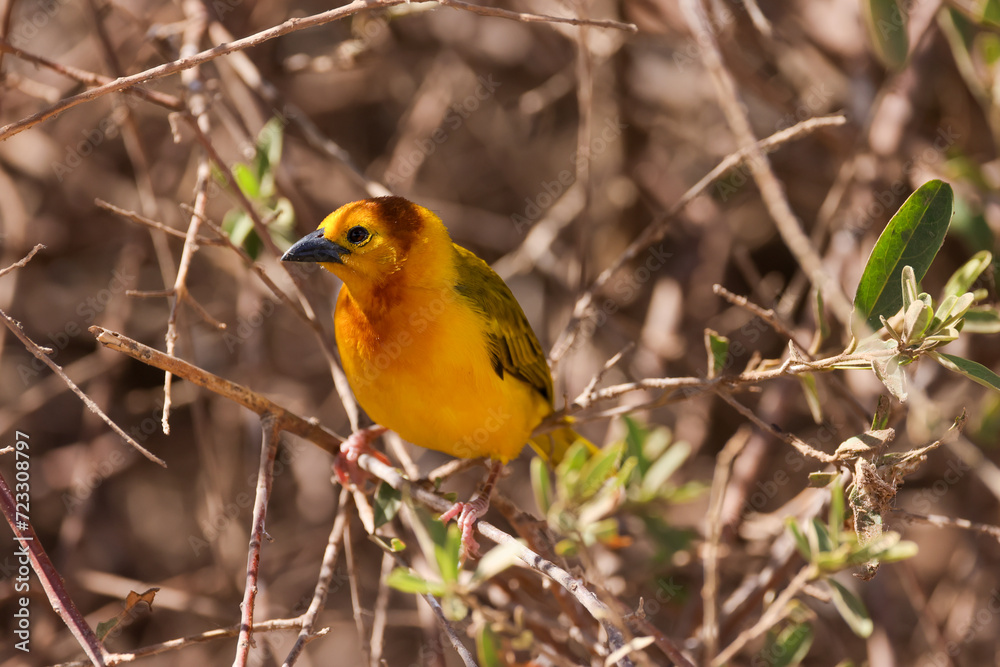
x,y
251,400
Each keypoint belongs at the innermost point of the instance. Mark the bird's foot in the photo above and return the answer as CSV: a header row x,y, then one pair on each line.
x,y
468,514
346,465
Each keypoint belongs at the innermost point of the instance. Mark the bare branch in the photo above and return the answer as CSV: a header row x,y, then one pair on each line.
x,y
251,400
271,428
52,583
40,354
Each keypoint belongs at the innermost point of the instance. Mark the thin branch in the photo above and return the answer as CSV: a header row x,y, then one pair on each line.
x,y
91,78
710,591
352,581
774,613
536,18
798,443
181,64
760,167
381,616
153,224
289,26
51,580
251,400
453,637
24,260
949,522
271,429
184,642
326,573
639,623
197,21
575,586
584,399
40,354
253,79
766,314
657,230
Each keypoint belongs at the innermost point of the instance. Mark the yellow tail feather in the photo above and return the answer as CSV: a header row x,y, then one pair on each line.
x,y
552,446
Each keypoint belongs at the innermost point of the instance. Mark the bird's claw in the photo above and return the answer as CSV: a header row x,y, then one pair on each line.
x,y
468,514
358,443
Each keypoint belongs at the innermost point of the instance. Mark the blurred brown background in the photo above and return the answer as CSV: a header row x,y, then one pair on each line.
x,y
479,119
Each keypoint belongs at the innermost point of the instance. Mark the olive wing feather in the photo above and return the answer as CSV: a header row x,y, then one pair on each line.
x,y
513,346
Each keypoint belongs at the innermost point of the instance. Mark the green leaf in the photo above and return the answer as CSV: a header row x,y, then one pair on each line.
x,y
915,321
598,469
635,440
800,539
882,411
496,560
821,541
912,237
900,551
387,501
104,627
887,30
988,12
836,511
403,580
269,145
809,389
664,467
791,645
818,480
717,347
447,555
910,287
488,647
246,180
851,609
970,369
890,372
573,461
819,313
541,484
962,280
982,320
397,545
952,309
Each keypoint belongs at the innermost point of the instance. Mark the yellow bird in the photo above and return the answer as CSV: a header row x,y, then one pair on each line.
x,y
433,342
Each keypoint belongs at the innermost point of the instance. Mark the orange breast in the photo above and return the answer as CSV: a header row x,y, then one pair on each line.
x,y
422,369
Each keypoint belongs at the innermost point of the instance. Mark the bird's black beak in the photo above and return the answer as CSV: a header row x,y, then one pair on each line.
x,y
315,247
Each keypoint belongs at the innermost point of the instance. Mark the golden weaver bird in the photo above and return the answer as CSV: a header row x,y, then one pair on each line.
x,y
433,343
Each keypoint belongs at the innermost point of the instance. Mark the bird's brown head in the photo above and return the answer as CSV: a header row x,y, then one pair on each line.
x,y
366,243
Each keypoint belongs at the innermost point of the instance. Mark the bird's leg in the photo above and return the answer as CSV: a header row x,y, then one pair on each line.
x,y
470,512
359,442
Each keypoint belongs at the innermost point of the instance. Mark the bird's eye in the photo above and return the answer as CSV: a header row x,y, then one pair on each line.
x,y
357,235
